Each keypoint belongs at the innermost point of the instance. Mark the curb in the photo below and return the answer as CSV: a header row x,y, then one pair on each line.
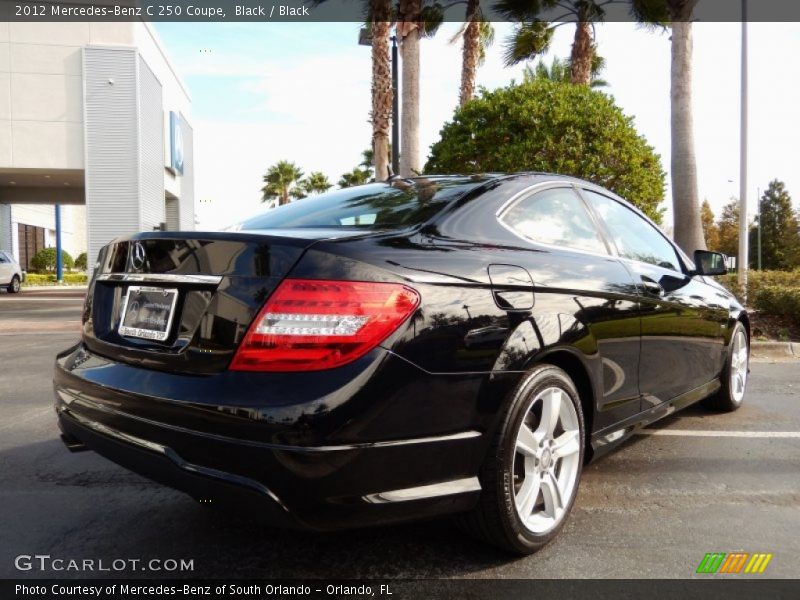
x,y
775,349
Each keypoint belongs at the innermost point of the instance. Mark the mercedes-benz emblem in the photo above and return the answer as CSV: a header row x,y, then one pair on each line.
x,y
138,256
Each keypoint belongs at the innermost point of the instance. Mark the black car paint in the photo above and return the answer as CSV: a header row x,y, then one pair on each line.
x,y
316,449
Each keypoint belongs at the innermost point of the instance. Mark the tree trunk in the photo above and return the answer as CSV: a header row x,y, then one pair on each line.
x,y
470,52
381,90
409,118
582,54
685,202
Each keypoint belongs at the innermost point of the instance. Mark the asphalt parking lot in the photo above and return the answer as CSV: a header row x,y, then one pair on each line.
x,y
697,483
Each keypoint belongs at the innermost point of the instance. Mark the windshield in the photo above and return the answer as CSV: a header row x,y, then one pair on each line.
x,y
372,206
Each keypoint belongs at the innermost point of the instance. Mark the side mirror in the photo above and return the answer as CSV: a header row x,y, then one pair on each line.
x,y
709,263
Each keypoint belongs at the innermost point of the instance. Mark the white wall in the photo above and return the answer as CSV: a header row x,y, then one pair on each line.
x,y
73,225
41,97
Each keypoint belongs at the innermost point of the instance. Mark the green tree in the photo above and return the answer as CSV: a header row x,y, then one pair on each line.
x,y
710,229
533,34
315,183
357,176
547,126
780,239
45,260
728,228
281,182
81,261
559,70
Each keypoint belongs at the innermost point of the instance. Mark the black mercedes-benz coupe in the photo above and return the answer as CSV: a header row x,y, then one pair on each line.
x,y
399,350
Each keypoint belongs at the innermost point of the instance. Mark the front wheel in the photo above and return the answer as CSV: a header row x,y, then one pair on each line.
x,y
734,375
531,473
14,287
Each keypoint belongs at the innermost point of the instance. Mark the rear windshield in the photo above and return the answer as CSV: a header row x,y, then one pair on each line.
x,y
372,206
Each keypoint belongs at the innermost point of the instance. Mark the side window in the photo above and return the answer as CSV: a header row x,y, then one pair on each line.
x,y
635,238
3,258
556,216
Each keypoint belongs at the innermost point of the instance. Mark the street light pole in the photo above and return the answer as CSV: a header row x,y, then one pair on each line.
x,y
758,199
742,260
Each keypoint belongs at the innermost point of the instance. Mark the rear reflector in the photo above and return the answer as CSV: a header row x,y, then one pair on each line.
x,y
312,325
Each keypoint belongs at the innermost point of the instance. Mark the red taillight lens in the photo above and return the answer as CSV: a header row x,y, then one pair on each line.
x,y
311,325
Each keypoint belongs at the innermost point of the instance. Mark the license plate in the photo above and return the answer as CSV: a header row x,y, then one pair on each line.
x,y
147,312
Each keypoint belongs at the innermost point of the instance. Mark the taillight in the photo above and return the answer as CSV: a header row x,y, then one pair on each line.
x,y
311,325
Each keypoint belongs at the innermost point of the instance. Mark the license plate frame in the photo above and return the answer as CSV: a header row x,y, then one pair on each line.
x,y
132,328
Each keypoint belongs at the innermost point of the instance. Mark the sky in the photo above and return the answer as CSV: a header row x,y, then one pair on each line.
x,y
264,92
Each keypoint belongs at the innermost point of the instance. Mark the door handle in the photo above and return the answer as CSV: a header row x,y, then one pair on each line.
x,y
652,286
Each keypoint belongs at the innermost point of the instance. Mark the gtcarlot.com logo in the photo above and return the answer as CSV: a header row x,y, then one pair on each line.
x,y
45,562
734,563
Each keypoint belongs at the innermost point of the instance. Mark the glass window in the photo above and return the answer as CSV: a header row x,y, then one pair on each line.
x,y
635,237
3,258
555,216
372,206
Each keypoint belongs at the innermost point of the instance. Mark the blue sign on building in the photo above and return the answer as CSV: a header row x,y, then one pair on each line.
x,y
175,143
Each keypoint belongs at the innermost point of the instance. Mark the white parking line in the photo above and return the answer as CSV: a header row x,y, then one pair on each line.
x,y
712,433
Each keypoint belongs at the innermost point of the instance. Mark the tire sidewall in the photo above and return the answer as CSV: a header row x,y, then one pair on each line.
x,y
521,400
14,286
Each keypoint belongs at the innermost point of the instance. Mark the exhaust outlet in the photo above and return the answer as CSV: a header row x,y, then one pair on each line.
x,y
72,444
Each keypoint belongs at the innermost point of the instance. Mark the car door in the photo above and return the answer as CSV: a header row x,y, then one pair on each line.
x,y
683,320
584,298
6,268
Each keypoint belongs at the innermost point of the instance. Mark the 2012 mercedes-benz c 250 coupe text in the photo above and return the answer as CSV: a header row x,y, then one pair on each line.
x,y
399,350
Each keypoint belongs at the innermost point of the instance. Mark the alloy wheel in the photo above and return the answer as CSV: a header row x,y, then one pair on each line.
x,y
546,461
739,363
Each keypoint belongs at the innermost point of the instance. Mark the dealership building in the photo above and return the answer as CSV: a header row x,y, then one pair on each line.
x,y
95,123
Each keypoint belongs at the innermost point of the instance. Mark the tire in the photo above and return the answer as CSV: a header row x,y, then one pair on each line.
x,y
734,374
509,477
14,287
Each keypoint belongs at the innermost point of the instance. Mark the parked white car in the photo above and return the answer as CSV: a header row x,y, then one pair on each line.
x,y
11,274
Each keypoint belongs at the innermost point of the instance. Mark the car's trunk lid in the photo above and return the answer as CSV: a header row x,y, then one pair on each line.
x,y
208,285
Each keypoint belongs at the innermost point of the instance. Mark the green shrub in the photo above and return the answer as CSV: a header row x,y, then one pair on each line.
x,y
756,280
45,260
50,279
778,300
80,261
550,126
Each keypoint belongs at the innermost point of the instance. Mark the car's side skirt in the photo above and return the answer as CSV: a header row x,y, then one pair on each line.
x,y
610,437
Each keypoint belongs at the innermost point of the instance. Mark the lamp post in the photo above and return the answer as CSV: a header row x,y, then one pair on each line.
x,y
365,39
742,266
758,199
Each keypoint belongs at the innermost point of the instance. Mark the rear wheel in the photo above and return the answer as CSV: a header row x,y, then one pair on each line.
x,y
14,287
531,473
734,375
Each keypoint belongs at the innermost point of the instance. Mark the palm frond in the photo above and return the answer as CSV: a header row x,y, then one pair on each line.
x,y
528,41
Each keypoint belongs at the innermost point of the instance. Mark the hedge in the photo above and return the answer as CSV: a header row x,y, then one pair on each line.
x,y
50,279
760,279
779,300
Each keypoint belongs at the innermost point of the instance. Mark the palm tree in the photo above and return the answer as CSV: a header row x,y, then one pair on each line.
x,y
280,182
559,70
415,21
678,15
478,35
533,35
316,183
357,176
382,93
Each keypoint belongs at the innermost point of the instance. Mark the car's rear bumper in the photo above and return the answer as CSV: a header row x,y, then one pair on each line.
x,y
389,443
